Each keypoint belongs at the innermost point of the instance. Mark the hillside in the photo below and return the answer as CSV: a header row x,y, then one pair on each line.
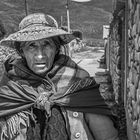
x,y
87,17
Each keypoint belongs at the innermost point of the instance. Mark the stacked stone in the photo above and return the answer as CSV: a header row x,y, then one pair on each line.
x,y
116,75
133,79
106,90
115,59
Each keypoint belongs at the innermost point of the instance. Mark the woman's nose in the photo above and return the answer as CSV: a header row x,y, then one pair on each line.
x,y
39,53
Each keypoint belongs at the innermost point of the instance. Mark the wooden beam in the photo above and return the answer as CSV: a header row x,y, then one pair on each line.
x,y
26,7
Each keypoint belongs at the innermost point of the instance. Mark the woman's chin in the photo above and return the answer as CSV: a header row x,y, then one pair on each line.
x,y
40,71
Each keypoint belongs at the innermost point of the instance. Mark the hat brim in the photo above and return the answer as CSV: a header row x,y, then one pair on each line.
x,y
37,33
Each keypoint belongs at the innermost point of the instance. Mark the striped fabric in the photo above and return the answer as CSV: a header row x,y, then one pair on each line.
x,y
21,90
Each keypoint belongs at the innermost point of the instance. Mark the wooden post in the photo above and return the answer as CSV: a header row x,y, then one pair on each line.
x,y
61,21
68,16
123,57
130,133
26,7
109,40
126,53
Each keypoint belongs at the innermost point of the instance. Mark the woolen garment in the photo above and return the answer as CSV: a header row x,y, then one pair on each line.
x,y
65,85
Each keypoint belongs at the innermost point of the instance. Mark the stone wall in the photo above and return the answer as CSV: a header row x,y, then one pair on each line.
x,y
115,57
133,79
116,50
117,42
115,62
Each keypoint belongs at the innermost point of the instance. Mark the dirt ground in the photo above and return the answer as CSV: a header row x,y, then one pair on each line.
x,y
89,54
89,60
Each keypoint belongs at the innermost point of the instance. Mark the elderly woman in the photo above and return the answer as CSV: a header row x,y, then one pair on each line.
x,y
44,95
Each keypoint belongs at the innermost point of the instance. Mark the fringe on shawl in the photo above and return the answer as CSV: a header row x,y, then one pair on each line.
x,y
10,127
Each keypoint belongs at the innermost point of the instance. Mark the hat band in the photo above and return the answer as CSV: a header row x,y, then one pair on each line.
x,y
37,24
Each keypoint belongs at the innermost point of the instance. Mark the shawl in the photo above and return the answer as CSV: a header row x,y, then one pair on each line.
x,y
66,84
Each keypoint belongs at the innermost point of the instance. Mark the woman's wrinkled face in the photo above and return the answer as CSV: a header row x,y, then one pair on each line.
x,y
39,55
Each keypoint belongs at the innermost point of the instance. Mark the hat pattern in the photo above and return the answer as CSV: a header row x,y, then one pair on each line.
x,y
38,26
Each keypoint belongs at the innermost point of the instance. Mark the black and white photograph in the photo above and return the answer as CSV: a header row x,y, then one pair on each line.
x,y
69,69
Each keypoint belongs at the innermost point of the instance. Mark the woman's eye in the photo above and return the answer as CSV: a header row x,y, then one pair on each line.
x,y
47,43
31,47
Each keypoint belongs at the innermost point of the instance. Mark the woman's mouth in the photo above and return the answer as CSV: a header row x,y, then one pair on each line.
x,y
40,65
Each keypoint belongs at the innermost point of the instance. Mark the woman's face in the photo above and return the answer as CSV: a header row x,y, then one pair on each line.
x,y
39,55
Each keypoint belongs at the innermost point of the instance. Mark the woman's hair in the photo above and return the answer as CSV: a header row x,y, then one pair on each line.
x,y
17,46
57,43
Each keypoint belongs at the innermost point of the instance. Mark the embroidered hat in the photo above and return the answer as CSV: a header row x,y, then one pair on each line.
x,y
38,26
